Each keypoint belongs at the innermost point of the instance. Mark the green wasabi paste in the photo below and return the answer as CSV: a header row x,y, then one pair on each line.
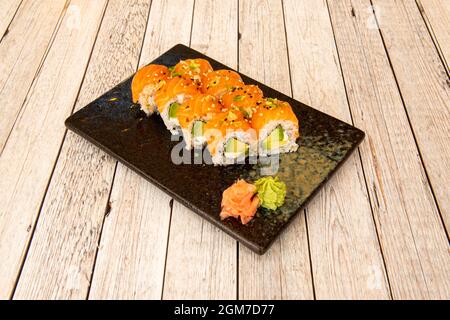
x,y
271,192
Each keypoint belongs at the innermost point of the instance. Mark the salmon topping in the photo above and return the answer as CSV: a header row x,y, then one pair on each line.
x,y
243,99
222,123
220,82
192,68
272,109
151,75
179,85
201,106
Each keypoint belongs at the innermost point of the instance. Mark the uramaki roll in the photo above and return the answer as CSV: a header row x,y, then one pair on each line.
x,y
276,126
230,138
169,98
146,82
219,82
192,116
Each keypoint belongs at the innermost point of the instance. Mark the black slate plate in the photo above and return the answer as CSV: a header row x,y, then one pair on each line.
x,y
114,124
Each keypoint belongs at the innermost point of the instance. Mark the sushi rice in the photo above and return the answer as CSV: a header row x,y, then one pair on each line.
x,y
146,98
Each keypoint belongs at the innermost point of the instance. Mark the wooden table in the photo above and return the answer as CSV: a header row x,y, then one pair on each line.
x,y
76,224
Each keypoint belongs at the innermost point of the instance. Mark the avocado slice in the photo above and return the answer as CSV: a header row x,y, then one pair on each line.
x,y
236,148
275,139
197,128
173,109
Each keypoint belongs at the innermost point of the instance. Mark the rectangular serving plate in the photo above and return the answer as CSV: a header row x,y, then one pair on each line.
x,y
117,126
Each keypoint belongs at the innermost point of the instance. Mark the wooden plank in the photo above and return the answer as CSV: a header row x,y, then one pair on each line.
x,y
28,158
345,253
207,267
8,9
414,244
67,234
284,271
135,232
436,14
201,260
22,51
427,98
132,252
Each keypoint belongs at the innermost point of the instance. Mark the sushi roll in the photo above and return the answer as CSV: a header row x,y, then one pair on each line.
x,y
192,68
230,138
243,99
192,116
145,83
276,127
169,98
219,82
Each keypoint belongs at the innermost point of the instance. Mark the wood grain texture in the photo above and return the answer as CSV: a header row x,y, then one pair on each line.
x,y
8,9
427,97
436,14
206,269
202,260
263,56
135,233
28,158
414,244
132,252
97,220
61,256
345,253
22,51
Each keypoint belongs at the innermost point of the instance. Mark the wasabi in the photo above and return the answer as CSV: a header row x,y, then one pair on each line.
x,y
271,192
